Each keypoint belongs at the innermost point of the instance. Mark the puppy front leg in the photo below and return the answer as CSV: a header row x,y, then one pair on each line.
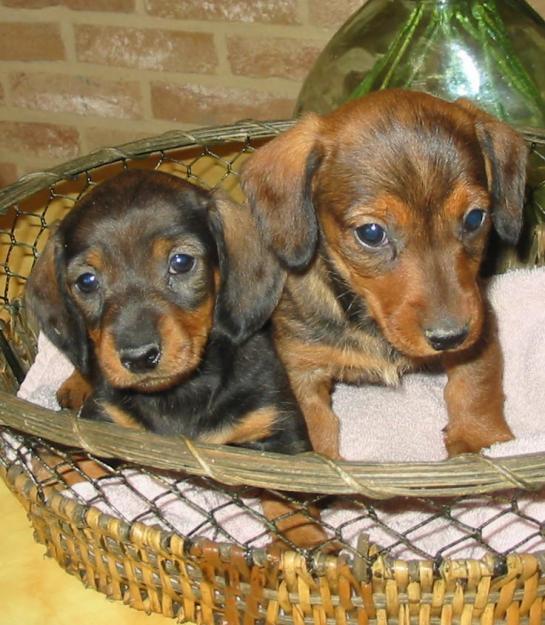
x,y
313,392
474,396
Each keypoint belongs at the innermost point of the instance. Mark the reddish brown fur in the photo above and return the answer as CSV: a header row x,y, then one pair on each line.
x,y
161,248
474,396
415,165
95,259
294,526
74,391
53,471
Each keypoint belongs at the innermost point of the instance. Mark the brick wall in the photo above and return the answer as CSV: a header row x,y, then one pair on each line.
x,y
79,74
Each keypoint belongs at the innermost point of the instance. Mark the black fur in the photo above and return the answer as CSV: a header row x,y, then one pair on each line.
x,y
112,232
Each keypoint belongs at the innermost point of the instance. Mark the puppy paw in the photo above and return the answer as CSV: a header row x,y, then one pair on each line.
x,y
73,392
463,442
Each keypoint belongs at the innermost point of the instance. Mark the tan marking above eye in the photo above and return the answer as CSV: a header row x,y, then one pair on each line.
x,y
94,258
385,208
161,248
464,197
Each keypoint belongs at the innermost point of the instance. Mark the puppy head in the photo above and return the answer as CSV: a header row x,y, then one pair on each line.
x,y
142,270
400,190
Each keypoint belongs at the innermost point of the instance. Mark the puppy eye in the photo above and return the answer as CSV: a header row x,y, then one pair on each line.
x,y
473,220
371,235
181,263
87,282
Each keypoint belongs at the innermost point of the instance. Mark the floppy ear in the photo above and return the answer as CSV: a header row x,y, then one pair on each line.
x,y
49,302
251,279
505,154
277,180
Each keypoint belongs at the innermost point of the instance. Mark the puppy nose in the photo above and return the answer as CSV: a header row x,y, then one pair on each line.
x,y
446,338
140,359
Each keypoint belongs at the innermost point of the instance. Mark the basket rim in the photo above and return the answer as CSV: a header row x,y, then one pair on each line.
x,y
242,131
467,474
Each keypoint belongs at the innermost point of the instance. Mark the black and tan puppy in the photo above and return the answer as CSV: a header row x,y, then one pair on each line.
x,y
158,291
381,212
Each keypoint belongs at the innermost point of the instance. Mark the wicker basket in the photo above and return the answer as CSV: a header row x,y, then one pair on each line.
x,y
154,568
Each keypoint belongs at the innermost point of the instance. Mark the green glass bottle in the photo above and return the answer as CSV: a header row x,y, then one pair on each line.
x,y
491,51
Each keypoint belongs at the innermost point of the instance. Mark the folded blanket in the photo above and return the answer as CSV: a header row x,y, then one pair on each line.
x,y
380,424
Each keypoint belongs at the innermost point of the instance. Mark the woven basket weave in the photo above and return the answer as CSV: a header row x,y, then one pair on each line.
x,y
154,568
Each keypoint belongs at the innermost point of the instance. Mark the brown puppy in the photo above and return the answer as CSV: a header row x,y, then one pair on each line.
x,y
381,212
